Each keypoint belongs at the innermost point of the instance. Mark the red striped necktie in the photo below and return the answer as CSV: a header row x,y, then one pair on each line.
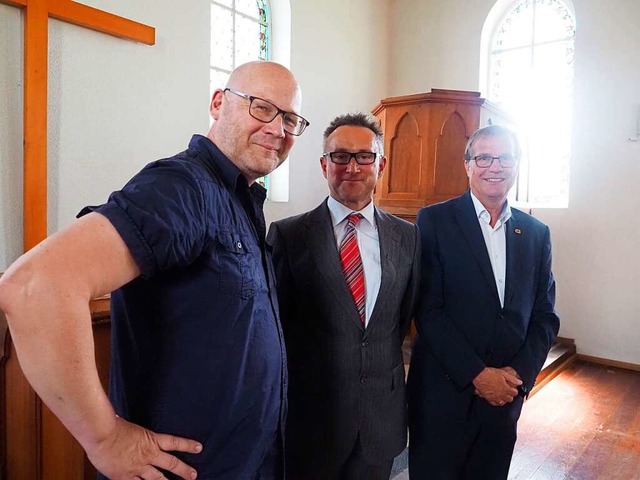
x,y
352,264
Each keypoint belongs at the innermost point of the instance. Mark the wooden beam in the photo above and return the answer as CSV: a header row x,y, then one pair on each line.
x,y
15,3
35,123
94,19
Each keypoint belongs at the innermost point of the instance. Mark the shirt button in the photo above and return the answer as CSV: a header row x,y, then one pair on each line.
x,y
363,379
239,245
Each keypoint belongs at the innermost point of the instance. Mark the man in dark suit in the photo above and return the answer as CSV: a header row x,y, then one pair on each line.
x,y
486,320
347,277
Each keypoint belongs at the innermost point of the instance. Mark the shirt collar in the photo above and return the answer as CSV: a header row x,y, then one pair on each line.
x,y
482,212
339,212
231,175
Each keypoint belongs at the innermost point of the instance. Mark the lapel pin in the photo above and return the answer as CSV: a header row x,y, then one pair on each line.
x,y
517,231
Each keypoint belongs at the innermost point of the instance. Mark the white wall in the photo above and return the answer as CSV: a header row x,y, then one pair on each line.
x,y
435,44
596,239
115,105
11,67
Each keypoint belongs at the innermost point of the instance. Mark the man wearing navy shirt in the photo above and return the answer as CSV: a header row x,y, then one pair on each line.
x,y
197,348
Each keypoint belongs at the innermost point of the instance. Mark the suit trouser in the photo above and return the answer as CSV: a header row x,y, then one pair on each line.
x,y
357,467
444,448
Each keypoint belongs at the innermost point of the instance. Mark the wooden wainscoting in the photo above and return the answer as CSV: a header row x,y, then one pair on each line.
x,y
33,443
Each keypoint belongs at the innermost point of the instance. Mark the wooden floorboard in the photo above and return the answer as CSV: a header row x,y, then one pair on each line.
x,y
583,425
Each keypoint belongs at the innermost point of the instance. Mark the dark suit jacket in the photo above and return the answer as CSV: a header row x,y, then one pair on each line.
x,y
461,326
343,380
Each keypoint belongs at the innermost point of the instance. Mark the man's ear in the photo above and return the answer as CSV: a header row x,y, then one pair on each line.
x,y
216,103
382,165
323,165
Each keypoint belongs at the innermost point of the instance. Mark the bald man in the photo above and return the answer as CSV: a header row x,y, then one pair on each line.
x,y
197,348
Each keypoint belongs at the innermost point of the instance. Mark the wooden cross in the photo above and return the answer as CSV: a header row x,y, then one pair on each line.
x,y
37,13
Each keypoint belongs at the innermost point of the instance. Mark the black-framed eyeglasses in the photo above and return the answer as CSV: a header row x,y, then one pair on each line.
x,y
266,112
485,161
343,158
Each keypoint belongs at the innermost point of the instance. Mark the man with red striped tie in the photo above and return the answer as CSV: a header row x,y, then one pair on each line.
x,y
347,277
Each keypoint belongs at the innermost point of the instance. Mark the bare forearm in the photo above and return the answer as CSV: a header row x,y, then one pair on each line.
x,y
52,335
45,295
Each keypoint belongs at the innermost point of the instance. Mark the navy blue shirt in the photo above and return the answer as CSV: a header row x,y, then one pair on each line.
x,y
197,346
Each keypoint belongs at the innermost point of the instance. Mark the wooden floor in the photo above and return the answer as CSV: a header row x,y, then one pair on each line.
x,y
583,425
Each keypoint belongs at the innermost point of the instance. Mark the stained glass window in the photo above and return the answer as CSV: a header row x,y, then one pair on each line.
x,y
239,34
531,77
240,31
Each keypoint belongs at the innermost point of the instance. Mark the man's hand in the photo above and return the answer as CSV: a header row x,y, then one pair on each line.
x,y
497,386
134,452
513,372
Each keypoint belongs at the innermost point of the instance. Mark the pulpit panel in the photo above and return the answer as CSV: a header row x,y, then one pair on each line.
x,y
404,171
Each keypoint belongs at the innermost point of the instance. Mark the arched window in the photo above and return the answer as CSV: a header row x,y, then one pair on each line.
x,y
240,33
530,75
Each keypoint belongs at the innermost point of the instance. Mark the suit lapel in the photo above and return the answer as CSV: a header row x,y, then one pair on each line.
x,y
468,223
514,233
324,251
389,239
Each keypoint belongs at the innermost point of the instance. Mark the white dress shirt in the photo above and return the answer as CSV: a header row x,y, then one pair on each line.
x,y
368,243
496,241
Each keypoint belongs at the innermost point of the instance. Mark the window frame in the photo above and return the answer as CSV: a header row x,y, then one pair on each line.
x,y
502,10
